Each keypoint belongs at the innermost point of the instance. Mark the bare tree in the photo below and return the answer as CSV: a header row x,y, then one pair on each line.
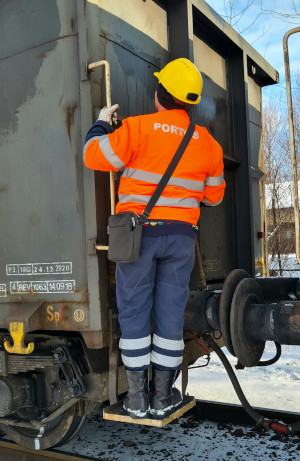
x,y
243,15
296,115
279,191
236,14
289,14
278,185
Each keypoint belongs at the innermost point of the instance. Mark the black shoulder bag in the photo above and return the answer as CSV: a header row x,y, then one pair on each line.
x,y
125,228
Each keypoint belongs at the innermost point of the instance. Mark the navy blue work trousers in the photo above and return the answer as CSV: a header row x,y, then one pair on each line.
x,y
157,282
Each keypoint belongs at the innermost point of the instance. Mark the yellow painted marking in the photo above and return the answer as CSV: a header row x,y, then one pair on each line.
x,y
57,318
50,315
16,330
79,315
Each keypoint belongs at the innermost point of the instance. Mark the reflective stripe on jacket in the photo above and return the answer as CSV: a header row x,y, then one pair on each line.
x,y
144,146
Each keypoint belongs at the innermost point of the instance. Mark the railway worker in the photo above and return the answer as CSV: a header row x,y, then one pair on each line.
x,y
144,146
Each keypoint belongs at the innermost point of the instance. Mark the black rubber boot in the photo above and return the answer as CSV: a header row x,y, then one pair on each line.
x,y
136,402
165,398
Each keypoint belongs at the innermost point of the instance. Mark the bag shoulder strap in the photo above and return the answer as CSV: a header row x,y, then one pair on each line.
x,y
168,173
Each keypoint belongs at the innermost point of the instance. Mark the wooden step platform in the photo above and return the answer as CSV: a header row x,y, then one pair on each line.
x,y
117,413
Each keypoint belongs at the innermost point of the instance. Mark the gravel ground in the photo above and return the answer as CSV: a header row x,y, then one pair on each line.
x,y
192,438
187,439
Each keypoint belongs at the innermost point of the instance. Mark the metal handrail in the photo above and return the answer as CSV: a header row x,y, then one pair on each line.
x,y
292,137
90,68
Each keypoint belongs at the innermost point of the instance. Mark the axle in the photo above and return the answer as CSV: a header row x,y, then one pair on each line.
x,y
248,313
274,322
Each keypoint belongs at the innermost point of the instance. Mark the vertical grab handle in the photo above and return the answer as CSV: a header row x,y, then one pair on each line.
x,y
292,137
113,352
90,68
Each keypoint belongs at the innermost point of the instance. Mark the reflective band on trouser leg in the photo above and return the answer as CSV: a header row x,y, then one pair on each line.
x,y
135,352
167,352
170,344
133,344
166,361
140,362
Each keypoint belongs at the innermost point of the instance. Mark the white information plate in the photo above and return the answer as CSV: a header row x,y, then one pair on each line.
x,y
44,286
39,268
3,292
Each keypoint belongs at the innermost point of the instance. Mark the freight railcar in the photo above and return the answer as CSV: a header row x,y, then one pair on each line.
x,y
58,324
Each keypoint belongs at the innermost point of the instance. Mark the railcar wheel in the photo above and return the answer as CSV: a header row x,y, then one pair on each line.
x,y
56,433
248,350
230,284
75,427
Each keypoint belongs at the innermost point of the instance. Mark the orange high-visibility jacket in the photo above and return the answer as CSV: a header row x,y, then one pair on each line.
x,y
144,146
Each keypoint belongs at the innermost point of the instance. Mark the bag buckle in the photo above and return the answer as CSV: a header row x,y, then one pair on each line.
x,y
146,215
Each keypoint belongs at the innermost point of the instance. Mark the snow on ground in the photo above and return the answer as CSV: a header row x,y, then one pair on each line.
x,y
276,386
289,264
190,438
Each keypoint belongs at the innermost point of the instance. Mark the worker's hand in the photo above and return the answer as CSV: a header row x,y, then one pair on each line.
x,y
109,114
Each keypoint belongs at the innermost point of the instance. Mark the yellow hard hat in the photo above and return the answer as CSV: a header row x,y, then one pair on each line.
x,y
182,79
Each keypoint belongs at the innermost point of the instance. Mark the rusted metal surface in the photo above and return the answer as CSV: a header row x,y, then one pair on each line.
x,y
49,316
96,265
95,339
14,363
28,313
44,223
113,358
202,284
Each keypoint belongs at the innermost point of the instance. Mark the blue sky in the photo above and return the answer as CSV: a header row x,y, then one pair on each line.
x,y
265,33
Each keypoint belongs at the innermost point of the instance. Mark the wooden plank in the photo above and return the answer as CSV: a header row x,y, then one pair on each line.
x,y
117,413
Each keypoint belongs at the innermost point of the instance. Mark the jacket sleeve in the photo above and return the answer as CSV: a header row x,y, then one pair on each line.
x,y
214,185
107,150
